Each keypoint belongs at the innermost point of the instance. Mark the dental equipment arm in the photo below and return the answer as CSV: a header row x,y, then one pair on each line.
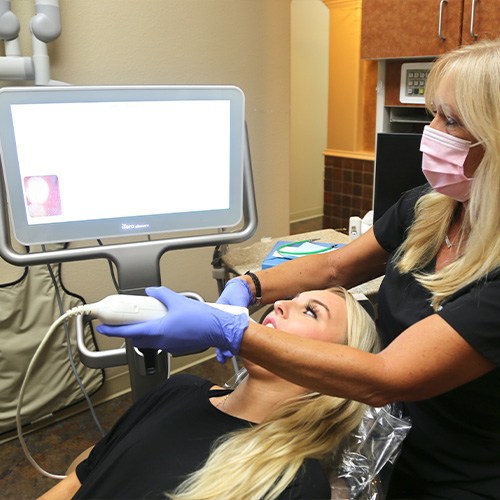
x,y
189,326
9,23
45,27
46,23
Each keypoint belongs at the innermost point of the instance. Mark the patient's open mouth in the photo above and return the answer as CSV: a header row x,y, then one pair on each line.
x,y
269,323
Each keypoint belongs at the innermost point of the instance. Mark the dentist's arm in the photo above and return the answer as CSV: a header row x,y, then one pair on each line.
x,y
427,359
190,325
361,260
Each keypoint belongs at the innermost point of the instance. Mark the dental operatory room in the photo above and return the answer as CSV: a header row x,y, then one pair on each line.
x,y
249,249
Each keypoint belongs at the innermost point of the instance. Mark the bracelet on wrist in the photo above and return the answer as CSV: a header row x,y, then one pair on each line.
x,y
258,290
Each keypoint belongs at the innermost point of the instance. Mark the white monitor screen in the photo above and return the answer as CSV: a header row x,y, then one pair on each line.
x,y
94,162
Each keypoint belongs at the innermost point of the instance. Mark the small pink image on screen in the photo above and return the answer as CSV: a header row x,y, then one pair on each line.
x,y
42,195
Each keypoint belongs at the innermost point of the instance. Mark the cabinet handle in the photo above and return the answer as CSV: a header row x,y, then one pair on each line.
x,y
440,21
472,12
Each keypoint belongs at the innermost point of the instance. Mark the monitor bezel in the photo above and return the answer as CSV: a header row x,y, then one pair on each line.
x,y
27,234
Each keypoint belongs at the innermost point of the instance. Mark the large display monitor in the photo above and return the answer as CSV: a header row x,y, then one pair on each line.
x,y
93,162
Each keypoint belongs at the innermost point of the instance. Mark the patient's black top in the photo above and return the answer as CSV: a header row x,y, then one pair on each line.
x,y
165,436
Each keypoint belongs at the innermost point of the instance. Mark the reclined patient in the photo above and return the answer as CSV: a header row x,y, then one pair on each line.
x,y
268,438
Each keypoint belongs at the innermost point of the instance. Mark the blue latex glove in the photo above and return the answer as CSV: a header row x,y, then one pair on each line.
x,y
236,293
188,326
223,356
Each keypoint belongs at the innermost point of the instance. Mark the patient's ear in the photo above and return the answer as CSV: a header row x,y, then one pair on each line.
x,y
80,458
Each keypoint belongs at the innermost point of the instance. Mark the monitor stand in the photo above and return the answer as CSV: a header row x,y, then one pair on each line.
x,y
147,367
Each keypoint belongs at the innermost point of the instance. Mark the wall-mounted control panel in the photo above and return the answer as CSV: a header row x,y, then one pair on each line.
x,y
413,82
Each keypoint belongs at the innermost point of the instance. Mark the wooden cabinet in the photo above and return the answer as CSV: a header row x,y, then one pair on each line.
x,y
425,28
481,20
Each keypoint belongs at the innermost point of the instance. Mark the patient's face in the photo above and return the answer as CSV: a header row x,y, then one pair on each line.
x,y
319,315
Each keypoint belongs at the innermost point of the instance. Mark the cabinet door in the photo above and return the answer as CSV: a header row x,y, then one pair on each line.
x,y
405,28
481,20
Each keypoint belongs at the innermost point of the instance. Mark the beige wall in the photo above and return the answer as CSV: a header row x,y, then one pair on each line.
x,y
309,106
240,42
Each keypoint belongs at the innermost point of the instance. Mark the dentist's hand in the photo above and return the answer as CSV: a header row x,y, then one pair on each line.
x,y
236,293
188,326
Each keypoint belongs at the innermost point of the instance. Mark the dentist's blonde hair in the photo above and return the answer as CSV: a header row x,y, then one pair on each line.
x,y
260,462
474,71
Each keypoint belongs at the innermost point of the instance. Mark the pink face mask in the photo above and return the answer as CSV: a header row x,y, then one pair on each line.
x,y
443,163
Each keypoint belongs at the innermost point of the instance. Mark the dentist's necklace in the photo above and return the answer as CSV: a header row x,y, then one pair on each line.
x,y
456,234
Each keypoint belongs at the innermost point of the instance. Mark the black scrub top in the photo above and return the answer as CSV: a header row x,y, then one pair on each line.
x,y
453,448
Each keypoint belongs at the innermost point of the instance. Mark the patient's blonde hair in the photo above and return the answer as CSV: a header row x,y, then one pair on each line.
x,y
260,462
475,73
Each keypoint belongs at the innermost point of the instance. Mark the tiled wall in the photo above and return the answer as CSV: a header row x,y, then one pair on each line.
x,y
348,190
